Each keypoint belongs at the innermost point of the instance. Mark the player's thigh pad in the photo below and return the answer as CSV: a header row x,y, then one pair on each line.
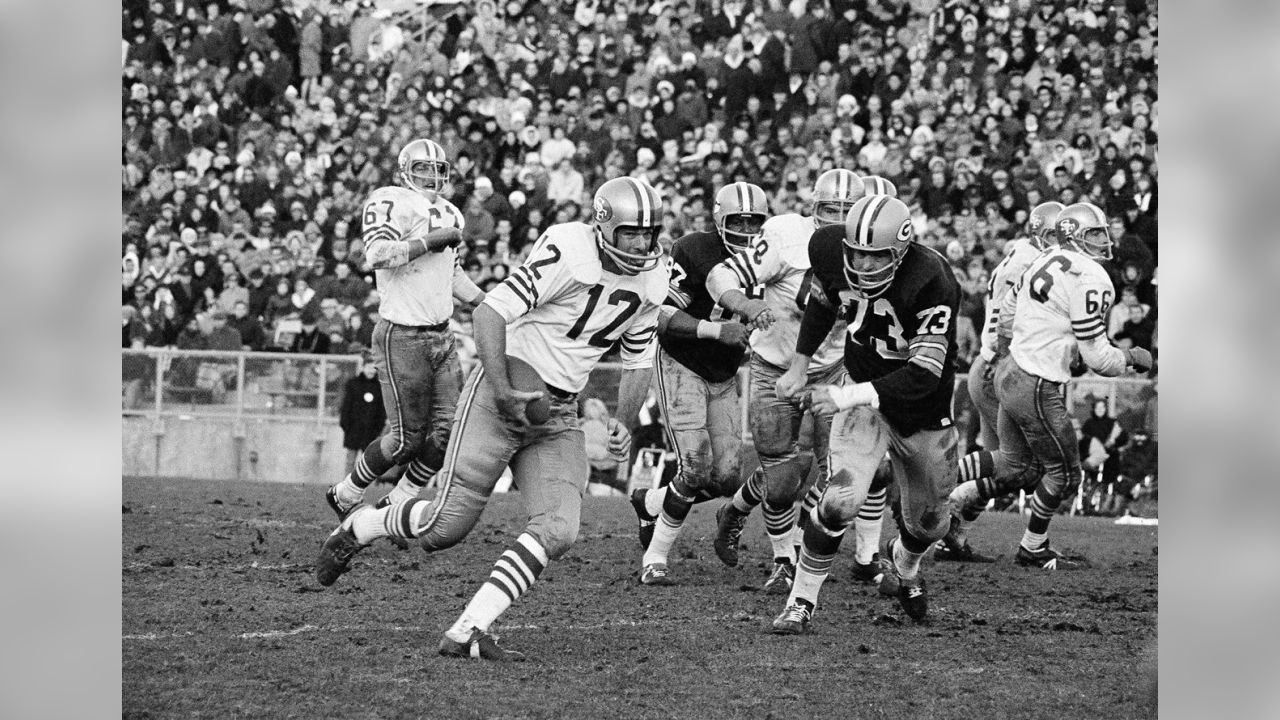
x,y
684,396
551,470
1040,411
446,386
982,393
402,356
926,466
859,438
482,447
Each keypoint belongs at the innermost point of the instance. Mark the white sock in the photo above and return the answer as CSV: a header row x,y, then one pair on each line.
x,y
1034,541
784,546
665,532
965,494
347,492
512,576
907,562
404,490
653,500
867,526
369,524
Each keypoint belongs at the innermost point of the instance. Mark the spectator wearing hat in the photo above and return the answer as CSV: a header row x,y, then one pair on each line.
x,y
478,223
310,339
252,336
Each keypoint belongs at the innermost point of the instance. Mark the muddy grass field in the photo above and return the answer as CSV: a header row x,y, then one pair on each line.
x,y
223,619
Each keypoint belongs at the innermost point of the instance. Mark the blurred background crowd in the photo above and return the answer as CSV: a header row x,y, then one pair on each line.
x,y
253,129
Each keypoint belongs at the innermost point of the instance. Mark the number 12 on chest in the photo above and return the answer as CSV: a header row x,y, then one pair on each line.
x,y
630,303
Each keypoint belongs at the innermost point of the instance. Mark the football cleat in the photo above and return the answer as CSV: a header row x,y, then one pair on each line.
x,y
399,542
336,553
912,597
480,646
779,582
656,574
869,573
795,619
729,525
961,552
645,531
331,497
1046,558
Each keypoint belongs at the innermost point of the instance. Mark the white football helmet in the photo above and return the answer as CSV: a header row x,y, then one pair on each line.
x,y
1085,226
1042,224
423,167
748,204
627,202
834,192
876,185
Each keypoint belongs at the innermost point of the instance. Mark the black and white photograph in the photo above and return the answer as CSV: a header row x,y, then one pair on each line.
x,y
643,359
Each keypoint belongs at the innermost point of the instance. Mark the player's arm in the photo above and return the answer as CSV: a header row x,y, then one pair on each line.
x,y
1004,319
384,243
465,291
674,322
820,314
1089,303
727,282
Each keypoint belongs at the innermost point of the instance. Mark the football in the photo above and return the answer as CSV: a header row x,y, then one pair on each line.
x,y
524,377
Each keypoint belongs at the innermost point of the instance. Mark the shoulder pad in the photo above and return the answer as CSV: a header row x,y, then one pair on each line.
x,y
577,244
390,192
657,281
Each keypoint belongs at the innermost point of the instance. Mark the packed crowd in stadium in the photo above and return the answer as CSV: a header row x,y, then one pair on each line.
x,y
253,130
857,201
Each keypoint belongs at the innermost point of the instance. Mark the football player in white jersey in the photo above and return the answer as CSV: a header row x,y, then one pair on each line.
x,y
410,233
978,467
583,288
1056,315
779,260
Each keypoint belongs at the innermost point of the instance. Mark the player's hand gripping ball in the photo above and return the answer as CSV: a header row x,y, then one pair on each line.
x,y
529,388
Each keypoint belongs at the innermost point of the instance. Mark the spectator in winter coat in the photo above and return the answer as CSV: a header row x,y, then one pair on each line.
x,y
361,415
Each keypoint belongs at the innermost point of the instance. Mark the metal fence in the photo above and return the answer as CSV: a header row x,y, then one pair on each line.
x,y
287,387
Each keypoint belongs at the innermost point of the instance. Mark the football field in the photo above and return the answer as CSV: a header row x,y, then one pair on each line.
x,y
222,618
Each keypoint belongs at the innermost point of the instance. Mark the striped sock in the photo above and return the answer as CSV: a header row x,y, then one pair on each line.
x,y
751,493
414,481
674,510
867,526
779,525
370,466
818,552
1043,505
810,502
977,464
512,576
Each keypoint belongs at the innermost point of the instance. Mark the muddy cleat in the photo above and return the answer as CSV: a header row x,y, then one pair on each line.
x,y
1046,558
912,598
869,573
779,582
399,542
795,619
336,553
959,553
889,580
480,646
656,574
331,497
645,532
729,524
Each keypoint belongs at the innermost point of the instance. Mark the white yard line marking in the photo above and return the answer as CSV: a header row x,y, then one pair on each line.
x,y
370,629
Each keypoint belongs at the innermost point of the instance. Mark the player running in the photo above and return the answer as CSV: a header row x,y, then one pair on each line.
x,y
1057,313
583,288
900,300
410,233
976,469
701,349
779,261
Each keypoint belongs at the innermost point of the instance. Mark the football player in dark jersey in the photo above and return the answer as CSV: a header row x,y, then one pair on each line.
x,y
701,347
900,300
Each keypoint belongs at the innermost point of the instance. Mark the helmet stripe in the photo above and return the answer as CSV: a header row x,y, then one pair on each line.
x,y
744,197
868,218
842,185
642,201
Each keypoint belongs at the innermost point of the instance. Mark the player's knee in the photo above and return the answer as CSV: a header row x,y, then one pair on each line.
x,y
555,537
786,478
695,464
929,525
439,538
838,506
401,448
